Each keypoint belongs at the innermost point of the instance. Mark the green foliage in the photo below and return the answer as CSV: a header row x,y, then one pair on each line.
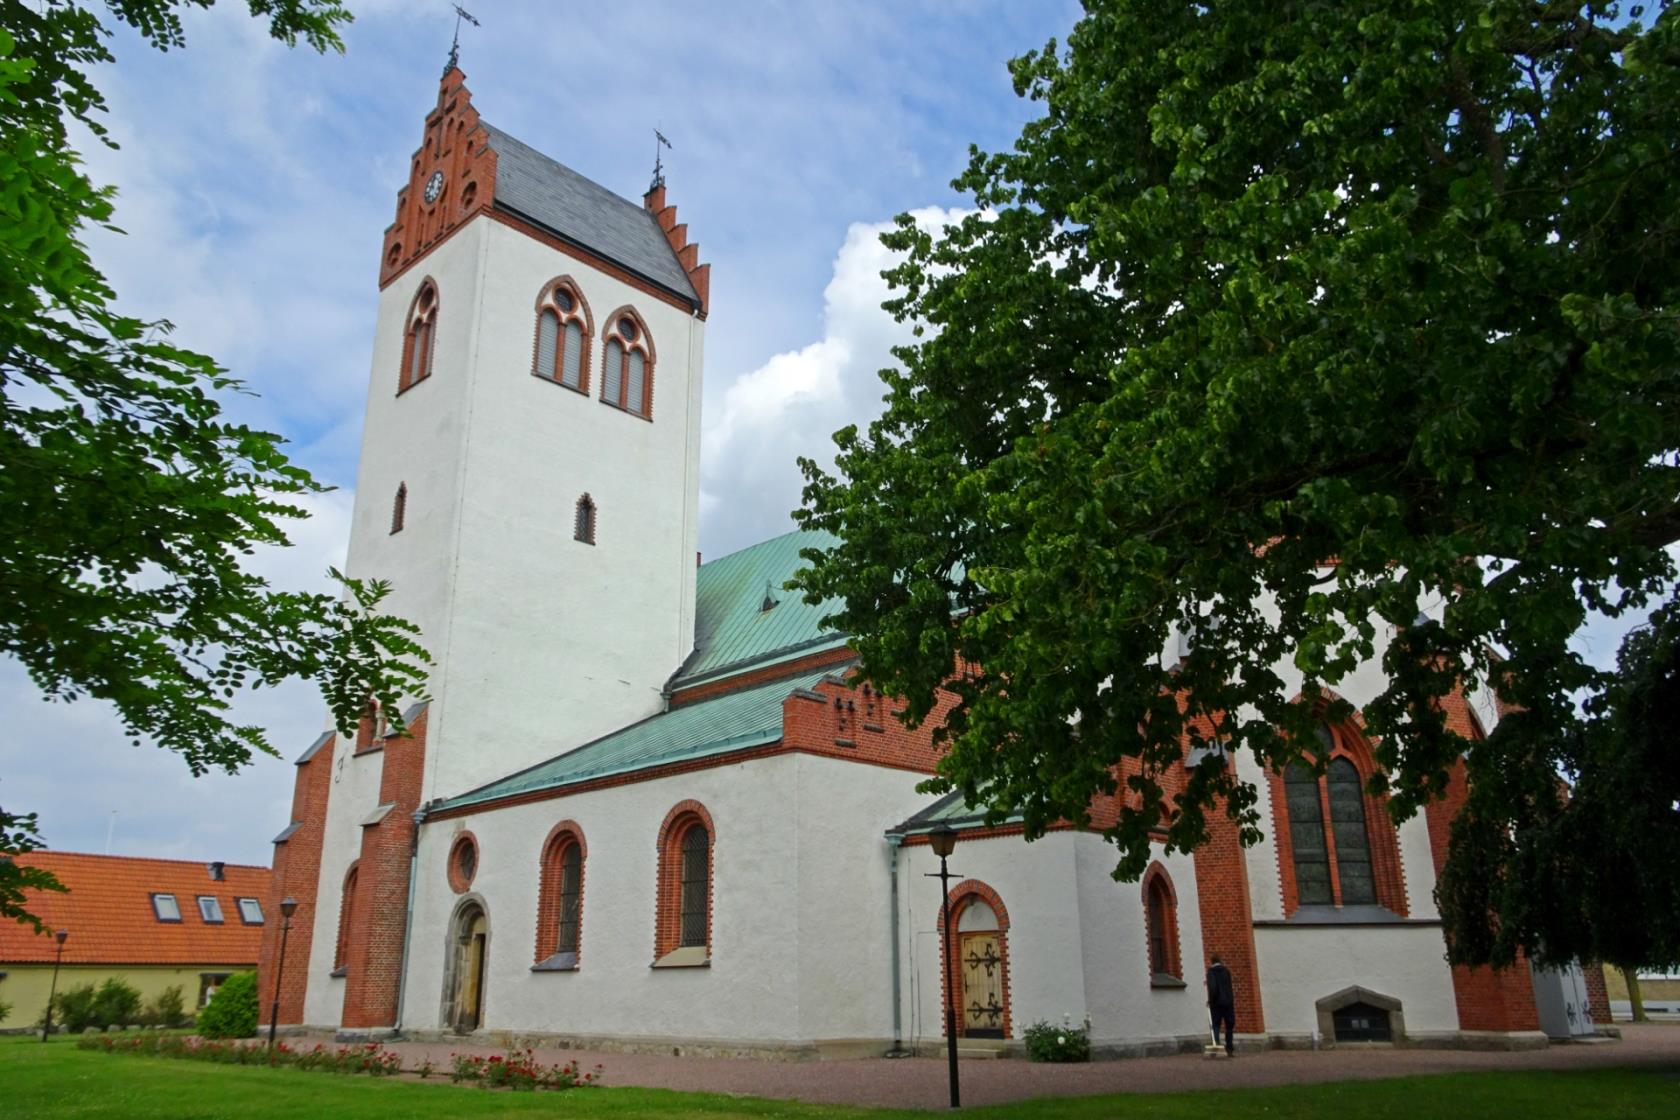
x,y
1591,872
5,1010
1046,1042
232,1012
1270,284
114,1003
133,501
167,1009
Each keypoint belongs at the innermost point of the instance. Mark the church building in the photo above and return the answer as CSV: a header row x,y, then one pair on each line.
x,y
647,805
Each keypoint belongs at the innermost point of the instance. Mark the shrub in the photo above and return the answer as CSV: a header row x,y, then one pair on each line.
x,y
1046,1042
168,1009
115,1004
5,1010
73,1009
233,1011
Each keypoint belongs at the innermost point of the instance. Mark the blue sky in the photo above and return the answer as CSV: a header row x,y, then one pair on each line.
x,y
255,182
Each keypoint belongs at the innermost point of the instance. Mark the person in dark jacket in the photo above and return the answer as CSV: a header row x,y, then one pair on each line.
x,y
1221,1002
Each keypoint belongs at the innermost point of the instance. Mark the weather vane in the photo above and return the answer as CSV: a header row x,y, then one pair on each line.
x,y
659,141
455,44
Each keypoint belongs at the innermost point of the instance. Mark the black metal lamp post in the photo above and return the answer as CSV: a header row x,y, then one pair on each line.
x,y
52,992
942,839
288,907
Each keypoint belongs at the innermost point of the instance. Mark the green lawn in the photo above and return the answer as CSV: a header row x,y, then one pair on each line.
x,y
59,1081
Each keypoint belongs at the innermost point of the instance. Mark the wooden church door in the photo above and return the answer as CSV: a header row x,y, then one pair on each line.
x,y
982,985
469,973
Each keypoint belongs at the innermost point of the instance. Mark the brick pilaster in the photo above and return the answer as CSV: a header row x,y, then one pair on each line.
x,y
296,873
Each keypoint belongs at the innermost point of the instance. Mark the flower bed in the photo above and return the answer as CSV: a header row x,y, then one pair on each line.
x,y
517,1069
372,1059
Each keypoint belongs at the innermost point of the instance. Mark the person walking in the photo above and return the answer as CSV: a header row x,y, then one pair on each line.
x,y
1221,1003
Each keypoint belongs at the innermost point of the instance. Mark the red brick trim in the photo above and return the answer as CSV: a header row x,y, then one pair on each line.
x,y
458,882
564,835
1598,994
644,343
1226,914
667,918
580,314
417,316
962,896
347,914
1172,965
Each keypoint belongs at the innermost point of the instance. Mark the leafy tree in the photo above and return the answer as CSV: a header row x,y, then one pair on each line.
x,y
1285,324
129,500
232,1011
1590,872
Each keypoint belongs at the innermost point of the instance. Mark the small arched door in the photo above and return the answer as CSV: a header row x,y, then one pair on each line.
x,y
980,967
469,940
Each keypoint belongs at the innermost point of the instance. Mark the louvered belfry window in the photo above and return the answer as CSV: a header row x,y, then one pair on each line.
x,y
695,858
562,336
571,893
627,369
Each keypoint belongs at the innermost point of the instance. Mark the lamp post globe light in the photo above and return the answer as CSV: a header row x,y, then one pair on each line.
x,y
52,992
942,839
288,907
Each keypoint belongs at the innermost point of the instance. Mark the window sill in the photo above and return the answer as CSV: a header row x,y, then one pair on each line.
x,y
1311,916
559,962
414,384
626,411
690,956
580,390
1166,980
340,972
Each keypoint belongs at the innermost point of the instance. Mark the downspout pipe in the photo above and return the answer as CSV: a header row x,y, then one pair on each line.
x,y
898,1050
419,818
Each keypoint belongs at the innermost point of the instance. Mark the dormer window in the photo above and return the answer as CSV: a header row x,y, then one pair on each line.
x,y
563,336
627,369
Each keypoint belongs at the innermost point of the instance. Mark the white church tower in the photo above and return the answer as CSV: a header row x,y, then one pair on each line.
x,y
529,469
529,485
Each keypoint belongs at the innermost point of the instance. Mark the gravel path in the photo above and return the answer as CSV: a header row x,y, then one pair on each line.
x,y
920,1082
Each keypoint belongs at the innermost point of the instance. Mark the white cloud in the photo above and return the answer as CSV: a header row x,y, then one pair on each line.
x,y
794,403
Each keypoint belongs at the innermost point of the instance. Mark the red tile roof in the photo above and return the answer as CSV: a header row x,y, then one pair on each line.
x,y
109,914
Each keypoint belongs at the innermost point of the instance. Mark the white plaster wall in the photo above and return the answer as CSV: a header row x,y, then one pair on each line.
x,y
1119,997
1037,884
744,995
354,793
554,642
1303,964
845,894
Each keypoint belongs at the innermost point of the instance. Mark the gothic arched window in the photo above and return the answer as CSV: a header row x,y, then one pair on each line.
x,y
683,918
560,907
399,507
1161,919
1339,852
696,877
563,331
627,368
419,338
346,920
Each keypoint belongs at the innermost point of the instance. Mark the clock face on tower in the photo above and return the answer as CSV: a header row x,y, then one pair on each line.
x,y
434,186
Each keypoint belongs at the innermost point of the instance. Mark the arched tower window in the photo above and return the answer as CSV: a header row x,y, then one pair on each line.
x,y
419,338
346,920
627,369
583,520
563,330
399,507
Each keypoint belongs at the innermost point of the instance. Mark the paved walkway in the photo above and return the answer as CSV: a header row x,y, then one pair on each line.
x,y
920,1082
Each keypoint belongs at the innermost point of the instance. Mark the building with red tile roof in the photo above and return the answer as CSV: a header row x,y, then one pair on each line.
x,y
155,923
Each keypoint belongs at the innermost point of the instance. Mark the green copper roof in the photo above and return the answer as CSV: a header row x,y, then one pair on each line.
x,y
732,628
954,810
734,721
